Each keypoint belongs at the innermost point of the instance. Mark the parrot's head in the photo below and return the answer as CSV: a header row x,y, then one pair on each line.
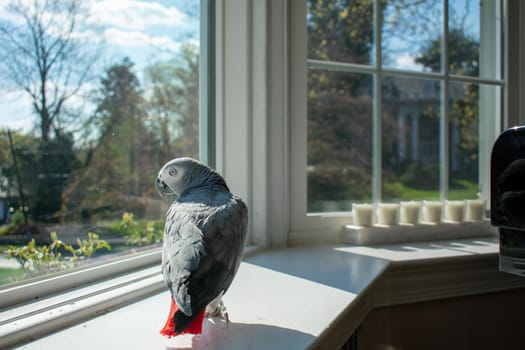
x,y
181,174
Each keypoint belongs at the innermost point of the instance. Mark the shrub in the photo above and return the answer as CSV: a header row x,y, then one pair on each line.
x,y
37,260
421,176
140,233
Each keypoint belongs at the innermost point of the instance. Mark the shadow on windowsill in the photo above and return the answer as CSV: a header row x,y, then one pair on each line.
x,y
219,335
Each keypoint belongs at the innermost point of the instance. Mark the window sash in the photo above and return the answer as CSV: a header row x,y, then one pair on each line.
x,y
45,285
311,225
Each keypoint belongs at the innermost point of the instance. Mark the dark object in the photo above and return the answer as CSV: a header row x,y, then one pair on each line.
x,y
508,198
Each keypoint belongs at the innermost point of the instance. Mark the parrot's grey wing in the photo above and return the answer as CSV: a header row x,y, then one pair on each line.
x,y
183,249
225,236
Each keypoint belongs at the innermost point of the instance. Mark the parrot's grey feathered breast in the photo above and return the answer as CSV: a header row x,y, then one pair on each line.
x,y
204,235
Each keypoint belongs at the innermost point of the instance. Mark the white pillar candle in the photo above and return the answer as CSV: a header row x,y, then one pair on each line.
x,y
388,214
455,210
363,214
432,211
475,209
410,212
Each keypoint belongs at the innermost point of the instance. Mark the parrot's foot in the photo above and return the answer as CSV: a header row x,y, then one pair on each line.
x,y
218,309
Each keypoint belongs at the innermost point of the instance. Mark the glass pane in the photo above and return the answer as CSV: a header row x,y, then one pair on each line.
x,y
464,140
463,37
410,139
86,127
411,34
340,30
339,140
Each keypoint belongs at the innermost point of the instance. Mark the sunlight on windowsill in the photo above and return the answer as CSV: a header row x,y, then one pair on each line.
x,y
272,299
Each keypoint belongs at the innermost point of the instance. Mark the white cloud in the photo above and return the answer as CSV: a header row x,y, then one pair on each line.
x,y
3,10
136,15
406,61
16,111
115,36
125,14
135,24
128,23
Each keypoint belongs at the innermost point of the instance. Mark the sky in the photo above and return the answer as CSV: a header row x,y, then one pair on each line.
x,y
151,30
403,44
146,31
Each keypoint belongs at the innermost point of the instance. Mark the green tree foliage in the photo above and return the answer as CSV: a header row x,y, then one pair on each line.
x,y
139,129
42,56
173,105
117,165
339,104
56,161
463,53
133,130
44,169
340,30
140,233
121,118
464,112
26,150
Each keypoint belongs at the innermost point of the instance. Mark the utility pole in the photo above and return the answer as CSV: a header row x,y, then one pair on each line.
x,y
19,181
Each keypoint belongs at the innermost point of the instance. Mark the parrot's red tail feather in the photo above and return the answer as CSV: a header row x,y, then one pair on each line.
x,y
195,327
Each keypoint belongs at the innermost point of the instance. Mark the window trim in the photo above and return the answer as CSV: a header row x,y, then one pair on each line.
x,y
44,286
515,28
253,117
207,84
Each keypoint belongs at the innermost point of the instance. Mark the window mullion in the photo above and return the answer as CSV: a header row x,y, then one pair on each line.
x,y
444,121
376,113
207,83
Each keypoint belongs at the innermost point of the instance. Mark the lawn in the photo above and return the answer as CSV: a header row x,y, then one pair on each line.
x,y
9,275
461,190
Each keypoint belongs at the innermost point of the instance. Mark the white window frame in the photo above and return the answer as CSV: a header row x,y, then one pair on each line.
x,y
53,283
261,114
252,111
261,125
261,66
327,226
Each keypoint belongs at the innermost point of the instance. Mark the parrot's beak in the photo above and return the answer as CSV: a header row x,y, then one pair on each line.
x,y
163,189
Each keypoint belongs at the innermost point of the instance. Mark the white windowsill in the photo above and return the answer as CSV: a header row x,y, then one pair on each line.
x,y
308,297
422,232
45,286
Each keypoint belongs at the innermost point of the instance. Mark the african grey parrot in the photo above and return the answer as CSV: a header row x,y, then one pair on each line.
x,y
204,238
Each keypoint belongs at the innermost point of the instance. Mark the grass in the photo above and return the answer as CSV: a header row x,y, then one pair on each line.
x,y
409,193
3,247
465,190
9,275
397,191
110,229
5,229
462,190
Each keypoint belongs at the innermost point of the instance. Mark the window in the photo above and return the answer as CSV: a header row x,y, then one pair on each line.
x,y
403,102
95,97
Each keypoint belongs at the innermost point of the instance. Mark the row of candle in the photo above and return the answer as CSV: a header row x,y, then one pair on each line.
x,y
415,212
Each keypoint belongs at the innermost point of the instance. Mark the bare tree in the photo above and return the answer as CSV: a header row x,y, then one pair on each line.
x,y
42,53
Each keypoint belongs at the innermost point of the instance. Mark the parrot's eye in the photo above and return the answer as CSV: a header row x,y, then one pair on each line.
x,y
173,171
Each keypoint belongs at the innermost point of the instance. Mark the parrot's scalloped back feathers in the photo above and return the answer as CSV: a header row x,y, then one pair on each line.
x,y
204,238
